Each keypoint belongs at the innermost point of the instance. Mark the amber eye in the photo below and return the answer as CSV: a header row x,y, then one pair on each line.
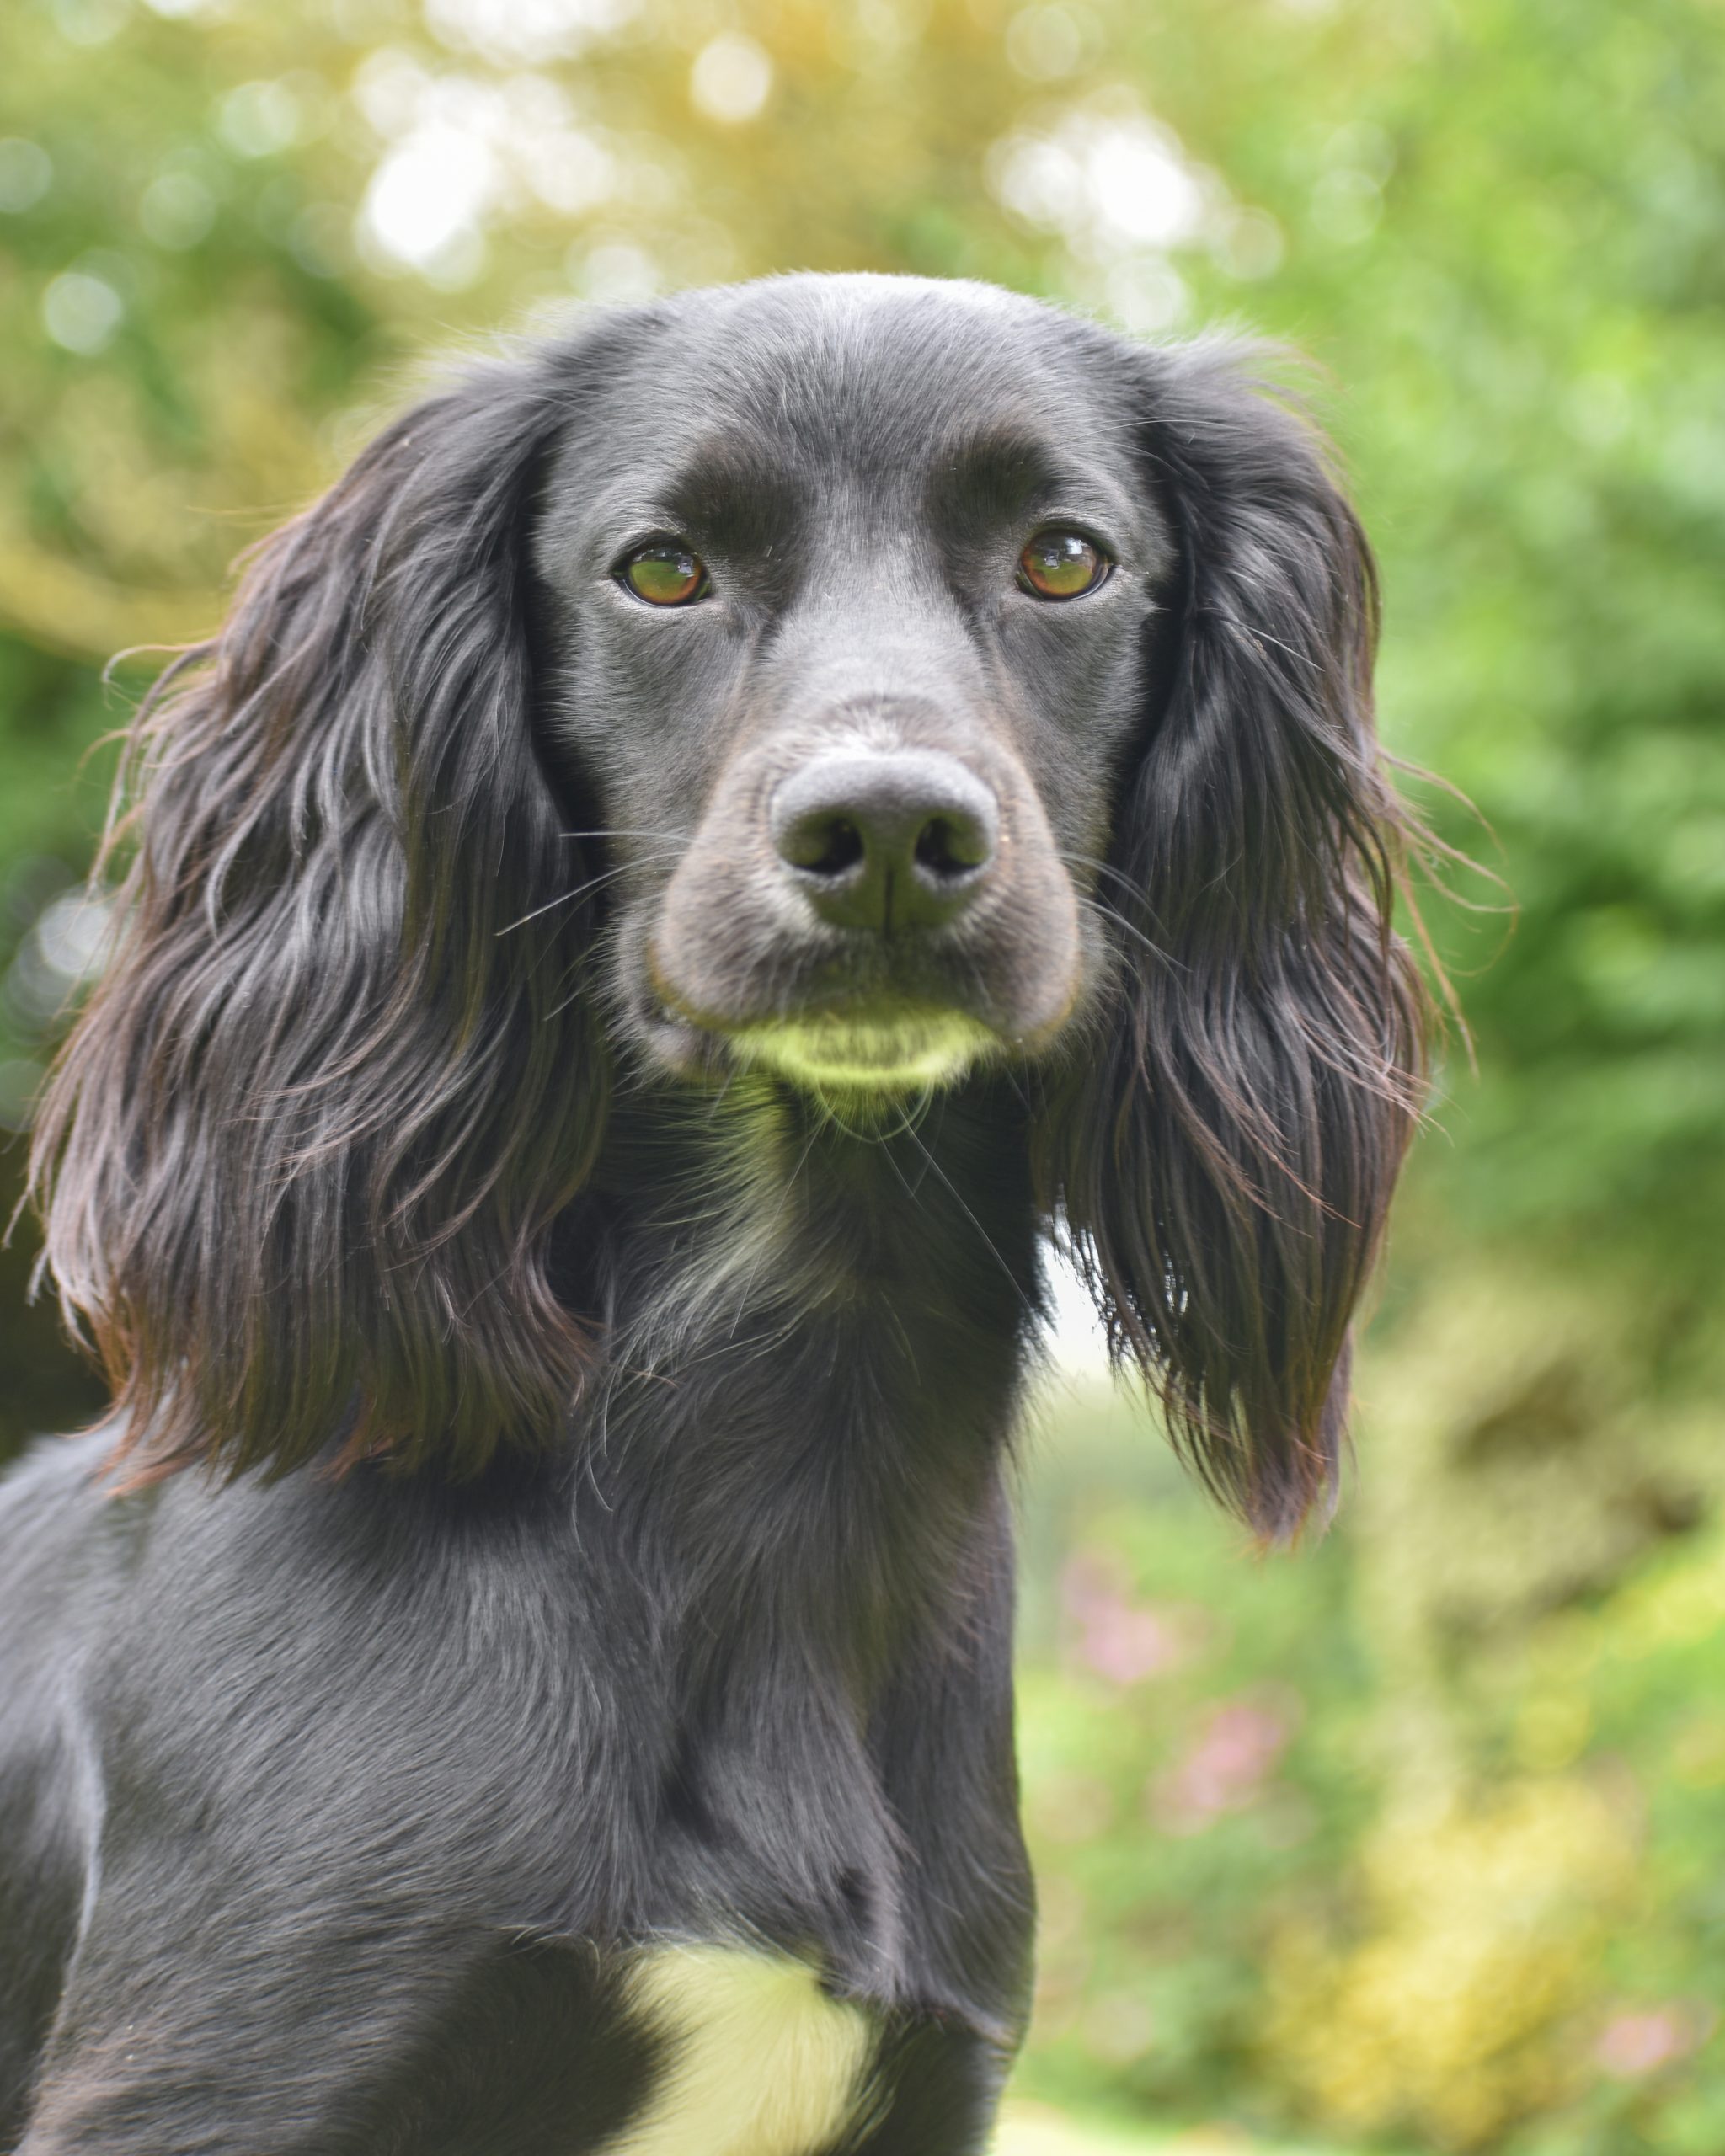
x,y
666,575
1062,565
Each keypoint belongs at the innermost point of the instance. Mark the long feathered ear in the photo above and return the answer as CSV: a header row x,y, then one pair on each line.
x,y
1225,1156
302,1156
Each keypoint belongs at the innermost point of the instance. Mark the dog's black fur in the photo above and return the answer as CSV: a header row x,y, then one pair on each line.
x,y
561,1429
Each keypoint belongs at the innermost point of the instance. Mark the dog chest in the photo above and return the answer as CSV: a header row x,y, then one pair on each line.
x,y
758,2060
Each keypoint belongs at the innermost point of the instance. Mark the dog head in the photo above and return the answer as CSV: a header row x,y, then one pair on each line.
x,y
887,681
849,617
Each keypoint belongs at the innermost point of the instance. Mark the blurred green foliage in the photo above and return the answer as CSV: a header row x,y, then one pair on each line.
x,y
1420,1888
1412,1842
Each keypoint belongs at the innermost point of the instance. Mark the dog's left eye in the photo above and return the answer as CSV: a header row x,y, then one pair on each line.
x,y
666,575
1062,565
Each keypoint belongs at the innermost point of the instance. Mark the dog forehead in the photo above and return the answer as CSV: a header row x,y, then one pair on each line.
x,y
810,378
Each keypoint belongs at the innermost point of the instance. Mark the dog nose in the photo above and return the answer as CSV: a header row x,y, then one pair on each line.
x,y
901,838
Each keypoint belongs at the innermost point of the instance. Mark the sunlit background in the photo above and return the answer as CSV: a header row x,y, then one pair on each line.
x,y
1414,1842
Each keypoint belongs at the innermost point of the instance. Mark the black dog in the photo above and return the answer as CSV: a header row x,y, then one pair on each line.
x,y
704,848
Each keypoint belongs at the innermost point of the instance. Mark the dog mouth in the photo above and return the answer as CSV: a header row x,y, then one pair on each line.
x,y
869,1048
842,1055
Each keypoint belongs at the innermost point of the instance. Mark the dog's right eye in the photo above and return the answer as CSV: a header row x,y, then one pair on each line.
x,y
1062,565
666,575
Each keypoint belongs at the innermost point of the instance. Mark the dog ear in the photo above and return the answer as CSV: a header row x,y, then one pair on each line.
x,y
1225,1157
302,1156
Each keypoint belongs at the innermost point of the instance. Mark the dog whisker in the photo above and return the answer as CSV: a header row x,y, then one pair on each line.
x,y
671,841
988,1241
1114,874
1117,920
565,898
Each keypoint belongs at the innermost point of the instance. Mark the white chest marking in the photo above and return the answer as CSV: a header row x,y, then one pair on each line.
x,y
760,2061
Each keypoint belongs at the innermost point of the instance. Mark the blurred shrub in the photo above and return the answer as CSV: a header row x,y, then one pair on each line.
x,y
1198,1765
1292,1881
1476,1944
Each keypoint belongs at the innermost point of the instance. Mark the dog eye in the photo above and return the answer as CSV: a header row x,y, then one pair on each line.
x,y
666,575
1062,565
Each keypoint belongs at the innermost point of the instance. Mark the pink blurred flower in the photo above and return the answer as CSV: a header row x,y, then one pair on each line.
x,y
1120,1639
1225,1767
1637,2042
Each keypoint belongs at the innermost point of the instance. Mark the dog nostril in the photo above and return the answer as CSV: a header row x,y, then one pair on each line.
x,y
823,846
948,846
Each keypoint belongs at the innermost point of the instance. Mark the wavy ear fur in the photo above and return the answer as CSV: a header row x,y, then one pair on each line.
x,y
1226,1157
302,1156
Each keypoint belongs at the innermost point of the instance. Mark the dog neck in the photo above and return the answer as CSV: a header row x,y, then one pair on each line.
x,y
816,1328
790,1511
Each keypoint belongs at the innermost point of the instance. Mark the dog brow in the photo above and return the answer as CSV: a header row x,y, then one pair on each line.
x,y
737,486
1010,454
1009,467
